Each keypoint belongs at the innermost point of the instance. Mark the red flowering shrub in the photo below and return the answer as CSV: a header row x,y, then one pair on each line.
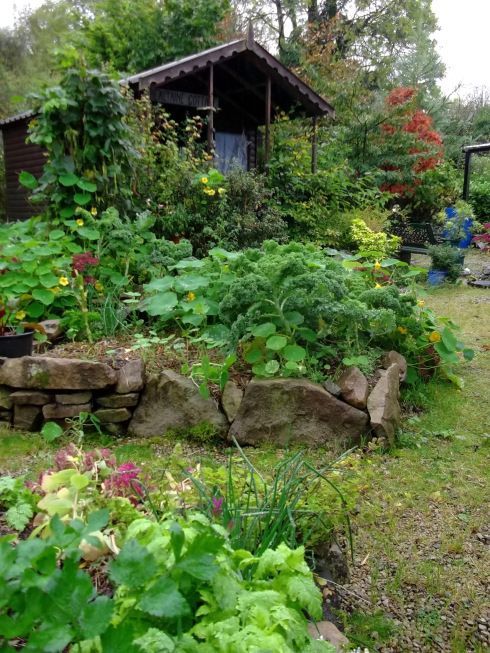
x,y
407,143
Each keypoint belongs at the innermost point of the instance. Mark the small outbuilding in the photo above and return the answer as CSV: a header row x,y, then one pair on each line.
x,y
239,87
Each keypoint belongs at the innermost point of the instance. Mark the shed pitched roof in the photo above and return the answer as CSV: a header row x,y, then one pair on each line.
x,y
314,103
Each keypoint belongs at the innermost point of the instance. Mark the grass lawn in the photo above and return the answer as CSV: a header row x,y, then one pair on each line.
x,y
421,575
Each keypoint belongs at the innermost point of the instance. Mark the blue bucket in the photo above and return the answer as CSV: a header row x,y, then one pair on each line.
x,y
436,277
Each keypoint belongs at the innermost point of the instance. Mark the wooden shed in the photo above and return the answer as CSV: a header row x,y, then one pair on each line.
x,y
238,87
19,156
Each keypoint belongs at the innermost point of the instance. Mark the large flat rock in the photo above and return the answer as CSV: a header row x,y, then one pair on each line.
x,y
295,410
171,401
44,373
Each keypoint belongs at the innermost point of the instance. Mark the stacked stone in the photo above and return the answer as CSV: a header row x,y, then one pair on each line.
x,y
56,389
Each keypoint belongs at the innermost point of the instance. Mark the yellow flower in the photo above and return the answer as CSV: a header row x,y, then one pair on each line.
x,y
191,296
221,191
377,265
210,191
204,180
98,286
378,285
63,281
93,211
56,290
20,315
80,222
435,336
421,303
402,330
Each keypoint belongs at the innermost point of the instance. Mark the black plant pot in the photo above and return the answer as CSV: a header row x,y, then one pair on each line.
x,y
15,345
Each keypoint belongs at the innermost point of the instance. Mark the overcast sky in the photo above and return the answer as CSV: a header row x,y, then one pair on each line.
x,y
463,39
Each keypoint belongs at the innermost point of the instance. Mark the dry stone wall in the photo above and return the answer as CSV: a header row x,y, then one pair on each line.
x,y
36,389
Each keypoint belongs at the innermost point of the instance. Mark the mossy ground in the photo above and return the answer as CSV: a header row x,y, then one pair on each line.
x,y
421,576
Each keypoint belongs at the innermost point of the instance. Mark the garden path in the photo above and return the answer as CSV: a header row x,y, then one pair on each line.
x,y
422,558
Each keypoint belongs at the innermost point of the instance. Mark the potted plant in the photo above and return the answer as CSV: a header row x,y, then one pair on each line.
x,y
446,263
16,337
459,224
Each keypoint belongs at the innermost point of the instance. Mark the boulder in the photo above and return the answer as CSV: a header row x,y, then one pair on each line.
x,y
5,400
30,397
231,399
171,401
116,429
27,418
394,357
71,398
383,405
118,401
332,387
331,563
114,415
6,416
52,329
295,410
328,632
354,387
60,411
44,373
131,377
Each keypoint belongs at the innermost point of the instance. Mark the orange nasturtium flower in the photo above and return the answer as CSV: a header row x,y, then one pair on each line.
x,y
435,336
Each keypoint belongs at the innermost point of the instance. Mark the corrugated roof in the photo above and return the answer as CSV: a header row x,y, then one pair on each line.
x,y
175,69
18,116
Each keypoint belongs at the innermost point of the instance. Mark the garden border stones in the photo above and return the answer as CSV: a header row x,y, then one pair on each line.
x,y
280,411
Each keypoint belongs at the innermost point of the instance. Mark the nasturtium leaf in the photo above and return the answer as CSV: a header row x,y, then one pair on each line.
x,y
67,212
79,481
134,566
294,353
51,431
165,283
160,304
271,367
89,186
188,282
56,234
253,355
43,295
163,599
89,233
259,369
188,263
68,179
292,366
276,343
35,310
82,198
307,334
48,280
449,339
27,180
264,330
294,317
193,319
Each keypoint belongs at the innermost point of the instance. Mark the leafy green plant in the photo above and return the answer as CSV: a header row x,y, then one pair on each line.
x,y
18,501
180,584
447,259
259,513
379,244
47,601
207,372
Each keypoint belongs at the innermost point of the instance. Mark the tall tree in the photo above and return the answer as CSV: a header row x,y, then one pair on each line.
x,y
132,35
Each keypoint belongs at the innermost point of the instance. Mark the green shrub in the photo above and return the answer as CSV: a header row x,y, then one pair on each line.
x,y
480,197
447,259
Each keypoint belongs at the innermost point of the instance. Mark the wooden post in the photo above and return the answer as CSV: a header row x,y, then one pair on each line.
x,y
314,145
466,182
211,110
268,100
